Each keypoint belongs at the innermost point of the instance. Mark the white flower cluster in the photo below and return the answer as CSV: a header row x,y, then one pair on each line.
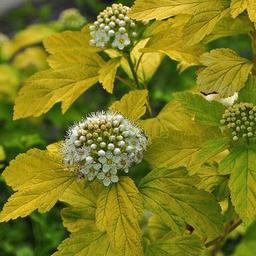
x,y
102,145
241,120
113,28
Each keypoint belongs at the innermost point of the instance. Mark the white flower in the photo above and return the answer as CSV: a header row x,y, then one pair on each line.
x,y
101,38
102,145
108,177
118,28
121,41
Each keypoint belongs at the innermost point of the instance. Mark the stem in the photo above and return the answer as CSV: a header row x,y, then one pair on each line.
x,y
134,74
130,85
219,240
254,51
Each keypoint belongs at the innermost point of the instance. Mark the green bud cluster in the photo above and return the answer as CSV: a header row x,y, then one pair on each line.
x,y
240,119
72,19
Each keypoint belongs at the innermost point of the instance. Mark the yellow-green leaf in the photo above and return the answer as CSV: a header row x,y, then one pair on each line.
x,y
248,93
86,242
118,211
170,41
225,72
33,57
178,148
206,112
170,193
132,105
238,6
82,200
31,35
146,64
242,183
171,245
162,9
229,27
107,74
9,82
46,88
69,42
172,117
40,179
202,24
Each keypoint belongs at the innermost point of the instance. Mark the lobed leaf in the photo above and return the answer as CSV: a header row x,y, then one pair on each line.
x,y
118,212
242,183
86,242
238,6
132,105
225,73
162,9
107,74
170,193
206,112
172,117
170,245
248,93
46,88
202,24
40,179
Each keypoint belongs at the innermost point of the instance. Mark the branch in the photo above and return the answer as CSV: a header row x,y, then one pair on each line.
x,y
228,229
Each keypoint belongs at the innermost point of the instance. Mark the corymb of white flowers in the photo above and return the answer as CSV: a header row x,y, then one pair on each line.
x,y
113,28
103,145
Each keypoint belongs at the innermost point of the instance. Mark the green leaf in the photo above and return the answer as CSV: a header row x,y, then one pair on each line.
x,y
210,180
132,105
242,184
107,74
170,193
157,229
247,245
225,73
86,242
206,112
227,164
46,88
248,93
162,9
40,179
209,149
202,24
170,245
118,211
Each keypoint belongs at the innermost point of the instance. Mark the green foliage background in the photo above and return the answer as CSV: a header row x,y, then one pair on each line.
x,y
39,235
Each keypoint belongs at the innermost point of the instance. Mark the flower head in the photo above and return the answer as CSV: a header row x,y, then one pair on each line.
x,y
103,145
241,120
72,19
118,29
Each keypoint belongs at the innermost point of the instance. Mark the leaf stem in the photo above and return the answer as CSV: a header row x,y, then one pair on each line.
x,y
253,37
134,74
130,85
219,240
